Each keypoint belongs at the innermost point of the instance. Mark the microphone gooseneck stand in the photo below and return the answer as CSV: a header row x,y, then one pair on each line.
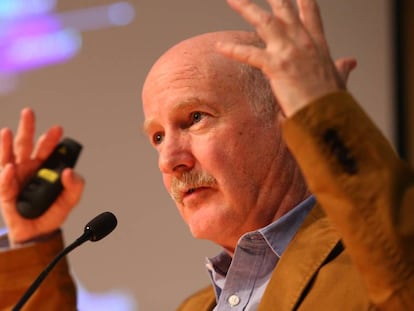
x,y
96,229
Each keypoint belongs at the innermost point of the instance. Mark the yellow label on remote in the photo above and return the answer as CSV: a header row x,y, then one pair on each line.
x,y
49,175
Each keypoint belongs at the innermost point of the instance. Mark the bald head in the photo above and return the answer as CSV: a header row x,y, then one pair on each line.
x,y
197,57
203,47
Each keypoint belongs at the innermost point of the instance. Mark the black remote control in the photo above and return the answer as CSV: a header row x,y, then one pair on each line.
x,y
45,185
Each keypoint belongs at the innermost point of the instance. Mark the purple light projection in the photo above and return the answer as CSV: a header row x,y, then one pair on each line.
x,y
32,35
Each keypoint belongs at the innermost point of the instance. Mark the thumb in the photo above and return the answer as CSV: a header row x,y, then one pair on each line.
x,y
344,66
73,184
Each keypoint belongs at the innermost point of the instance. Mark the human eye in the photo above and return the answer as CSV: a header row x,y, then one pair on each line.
x,y
157,138
196,117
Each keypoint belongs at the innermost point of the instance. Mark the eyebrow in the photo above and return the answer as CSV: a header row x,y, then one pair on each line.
x,y
146,126
181,105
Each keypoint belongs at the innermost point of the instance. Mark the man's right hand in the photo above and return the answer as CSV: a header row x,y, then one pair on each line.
x,y
19,159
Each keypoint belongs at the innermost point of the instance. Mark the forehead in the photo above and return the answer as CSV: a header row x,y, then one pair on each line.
x,y
178,68
181,81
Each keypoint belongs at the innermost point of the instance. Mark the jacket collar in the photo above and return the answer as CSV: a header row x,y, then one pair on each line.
x,y
312,244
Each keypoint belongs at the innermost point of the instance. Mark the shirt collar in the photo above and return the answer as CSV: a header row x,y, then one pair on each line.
x,y
279,233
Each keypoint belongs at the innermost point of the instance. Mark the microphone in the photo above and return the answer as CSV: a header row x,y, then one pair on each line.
x,y
95,230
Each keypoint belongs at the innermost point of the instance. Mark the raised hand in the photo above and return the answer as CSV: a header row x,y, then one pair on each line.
x,y
19,159
296,57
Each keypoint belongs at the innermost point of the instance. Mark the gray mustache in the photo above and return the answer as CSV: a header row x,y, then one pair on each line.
x,y
188,180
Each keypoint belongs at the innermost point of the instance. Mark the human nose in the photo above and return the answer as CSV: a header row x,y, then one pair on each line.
x,y
175,156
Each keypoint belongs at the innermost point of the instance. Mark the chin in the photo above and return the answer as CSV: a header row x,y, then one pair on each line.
x,y
218,237
207,223
209,230
201,232
203,229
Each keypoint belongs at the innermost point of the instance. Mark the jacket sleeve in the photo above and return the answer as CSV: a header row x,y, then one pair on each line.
x,y
364,188
202,300
21,266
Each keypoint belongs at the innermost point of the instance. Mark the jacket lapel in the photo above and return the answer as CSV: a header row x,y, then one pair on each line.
x,y
300,261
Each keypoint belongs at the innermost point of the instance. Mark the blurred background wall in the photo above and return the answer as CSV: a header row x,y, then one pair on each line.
x,y
88,76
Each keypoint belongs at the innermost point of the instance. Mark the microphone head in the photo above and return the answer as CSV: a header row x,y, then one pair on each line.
x,y
101,226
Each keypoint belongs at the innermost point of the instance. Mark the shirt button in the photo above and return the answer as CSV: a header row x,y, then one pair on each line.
x,y
233,300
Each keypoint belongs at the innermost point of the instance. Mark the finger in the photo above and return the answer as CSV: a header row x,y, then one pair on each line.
x,y
266,24
9,186
311,18
248,54
73,185
285,11
24,136
344,66
47,142
6,147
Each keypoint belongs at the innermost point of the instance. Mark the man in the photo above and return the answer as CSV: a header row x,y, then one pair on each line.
x,y
219,133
